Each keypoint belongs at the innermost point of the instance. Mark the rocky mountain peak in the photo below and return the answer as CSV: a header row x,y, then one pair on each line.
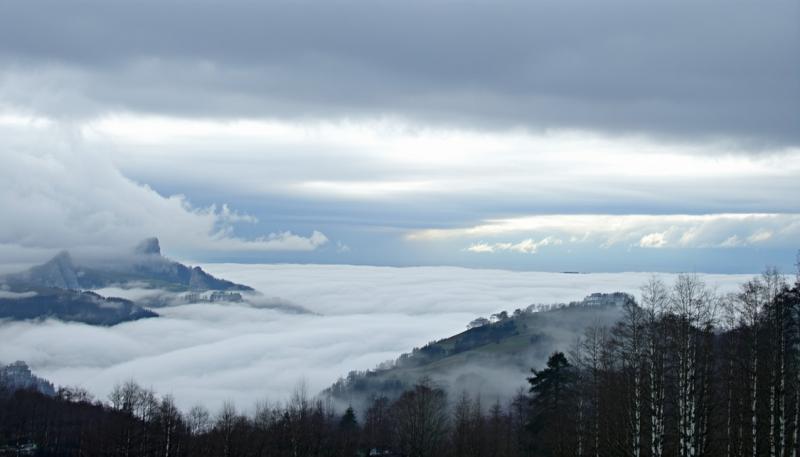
x,y
150,246
57,272
63,260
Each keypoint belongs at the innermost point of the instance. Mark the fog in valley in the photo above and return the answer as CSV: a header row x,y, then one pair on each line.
x,y
210,353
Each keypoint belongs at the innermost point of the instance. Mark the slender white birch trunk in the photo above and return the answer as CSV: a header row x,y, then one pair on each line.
x,y
754,395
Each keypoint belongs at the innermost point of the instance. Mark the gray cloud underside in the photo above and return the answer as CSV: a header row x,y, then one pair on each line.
x,y
674,68
212,353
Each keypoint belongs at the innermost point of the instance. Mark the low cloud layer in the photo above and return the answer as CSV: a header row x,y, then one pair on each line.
x,y
210,353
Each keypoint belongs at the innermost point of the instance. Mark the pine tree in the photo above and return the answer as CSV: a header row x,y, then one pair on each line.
x,y
552,391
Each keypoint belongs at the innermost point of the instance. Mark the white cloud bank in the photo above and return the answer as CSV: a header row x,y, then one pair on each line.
x,y
646,231
527,246
210,353
391,157
8,295
55,194
700,194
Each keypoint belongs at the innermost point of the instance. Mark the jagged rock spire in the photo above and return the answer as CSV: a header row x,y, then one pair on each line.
x,y
150,246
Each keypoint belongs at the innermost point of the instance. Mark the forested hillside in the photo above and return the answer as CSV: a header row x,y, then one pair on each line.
x,y
491,357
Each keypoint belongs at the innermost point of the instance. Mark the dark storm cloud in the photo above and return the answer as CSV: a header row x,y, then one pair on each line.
x,y
665,68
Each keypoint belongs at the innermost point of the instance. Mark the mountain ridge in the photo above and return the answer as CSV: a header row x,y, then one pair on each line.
x,y
143,265
61,288
487,354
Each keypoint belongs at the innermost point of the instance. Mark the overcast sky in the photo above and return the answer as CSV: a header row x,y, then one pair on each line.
x,y
589,136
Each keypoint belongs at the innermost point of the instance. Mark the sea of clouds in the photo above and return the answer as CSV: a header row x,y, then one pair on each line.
x,y
212,353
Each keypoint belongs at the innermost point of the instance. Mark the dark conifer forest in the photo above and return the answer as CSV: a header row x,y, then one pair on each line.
x,y
685,373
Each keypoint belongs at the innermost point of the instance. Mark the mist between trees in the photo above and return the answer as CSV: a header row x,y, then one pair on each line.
x,y
685,372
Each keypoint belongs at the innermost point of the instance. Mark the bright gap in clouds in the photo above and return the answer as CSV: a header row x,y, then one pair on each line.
x,y
211,353
707,194
393,192
487,173
646,231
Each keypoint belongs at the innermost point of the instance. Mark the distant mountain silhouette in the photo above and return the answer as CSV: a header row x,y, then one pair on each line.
x,y
69,305
149,246
57,272
59,288
144,266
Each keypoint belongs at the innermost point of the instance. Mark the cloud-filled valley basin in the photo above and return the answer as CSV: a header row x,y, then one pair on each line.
x,y
210,353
